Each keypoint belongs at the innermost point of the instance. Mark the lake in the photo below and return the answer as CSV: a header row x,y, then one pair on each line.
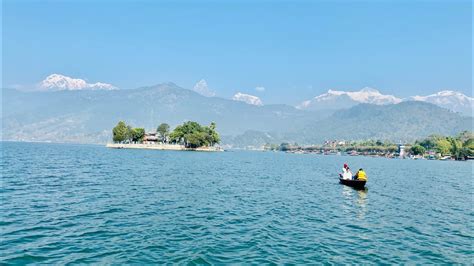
x,y
63,203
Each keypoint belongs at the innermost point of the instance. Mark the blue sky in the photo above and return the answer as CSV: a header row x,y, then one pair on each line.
x,y
296,50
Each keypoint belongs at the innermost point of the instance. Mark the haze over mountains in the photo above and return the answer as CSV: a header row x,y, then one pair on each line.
x,y
89,115
331,100
78,111
451,100
335,100
341,99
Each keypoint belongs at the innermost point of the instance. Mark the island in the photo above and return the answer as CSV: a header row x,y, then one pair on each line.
x,y
190,136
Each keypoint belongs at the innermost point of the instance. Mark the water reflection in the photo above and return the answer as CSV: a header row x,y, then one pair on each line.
x,y
360,201
347,192
347,202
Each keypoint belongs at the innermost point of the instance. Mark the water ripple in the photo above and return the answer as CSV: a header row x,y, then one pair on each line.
x,y
75,204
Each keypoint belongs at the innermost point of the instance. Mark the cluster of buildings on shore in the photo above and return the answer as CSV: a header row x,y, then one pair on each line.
x,y
400,153
341,147
334,143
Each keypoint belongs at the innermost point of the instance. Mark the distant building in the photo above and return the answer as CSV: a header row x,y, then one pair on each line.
x,y
334,143
150,138
401,151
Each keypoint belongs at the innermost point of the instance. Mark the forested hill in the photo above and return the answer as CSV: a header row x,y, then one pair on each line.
x,y
403,122
406,121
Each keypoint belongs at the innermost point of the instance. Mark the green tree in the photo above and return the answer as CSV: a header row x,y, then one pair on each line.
x,y
164,131
456,148
213,126
177,135
193,135
195,139
430,142
443,146
138,134
465,143
119,132
212,137
418,150
468,147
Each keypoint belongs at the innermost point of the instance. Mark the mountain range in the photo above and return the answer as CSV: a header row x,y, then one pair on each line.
x,y
61,82
451,100
88,115
336,100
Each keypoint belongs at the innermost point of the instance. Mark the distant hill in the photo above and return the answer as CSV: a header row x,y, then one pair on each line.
x,y
87,116
406,121
403,122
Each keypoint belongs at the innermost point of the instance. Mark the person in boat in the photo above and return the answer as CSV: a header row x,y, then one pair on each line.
x,y
346,172
360,175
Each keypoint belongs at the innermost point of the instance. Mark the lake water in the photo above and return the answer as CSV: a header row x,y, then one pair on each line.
x,y
88,204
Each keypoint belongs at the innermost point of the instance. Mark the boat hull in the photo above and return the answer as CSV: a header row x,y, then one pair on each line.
x,y
353,183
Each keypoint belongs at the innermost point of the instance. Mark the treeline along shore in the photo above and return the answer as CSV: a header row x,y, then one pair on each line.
x,y
190,136
434,147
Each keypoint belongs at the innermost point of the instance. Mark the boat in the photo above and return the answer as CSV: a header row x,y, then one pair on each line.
x,y
358,184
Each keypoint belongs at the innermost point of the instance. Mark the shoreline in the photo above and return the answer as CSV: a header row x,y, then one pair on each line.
x,y
372,155
168,147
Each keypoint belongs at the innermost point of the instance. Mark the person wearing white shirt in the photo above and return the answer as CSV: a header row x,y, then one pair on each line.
x,y
346,172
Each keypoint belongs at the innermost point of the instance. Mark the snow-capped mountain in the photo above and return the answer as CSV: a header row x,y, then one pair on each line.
x,y
202,88
452,100
61,82
334,99
89,115
247,98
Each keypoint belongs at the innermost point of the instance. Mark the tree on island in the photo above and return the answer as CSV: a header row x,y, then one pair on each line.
x,y
212,137
125,133
163,131
120,132
193,135
138,134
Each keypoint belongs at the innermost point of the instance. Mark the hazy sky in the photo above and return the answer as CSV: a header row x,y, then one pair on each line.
x,y
295,50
